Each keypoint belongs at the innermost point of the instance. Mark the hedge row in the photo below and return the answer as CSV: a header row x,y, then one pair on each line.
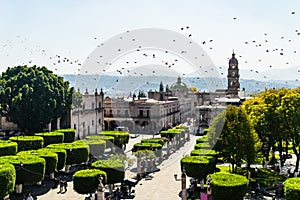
x,y
32,171
28,142
203,152
198,167
120,137
203,145
97,147
77,152
61,156
86,181
69,134
146,146
8,148
160,141
7,179
115,170
292,188
203,139
51,137
49,156
109,139
228,186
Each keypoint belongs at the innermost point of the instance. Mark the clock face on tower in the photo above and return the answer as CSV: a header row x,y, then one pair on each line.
x,y
233,67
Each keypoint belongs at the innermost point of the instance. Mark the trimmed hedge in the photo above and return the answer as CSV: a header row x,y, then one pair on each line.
x,y
160,141
69,134
228,186
170,133
87,181
146,146
77,152
292,188
203,139
7,179
120,137
33,169
61,157
49,156
109,139
28,142
8,148
97,147
198,167
203,145
203,152
51,137
115,170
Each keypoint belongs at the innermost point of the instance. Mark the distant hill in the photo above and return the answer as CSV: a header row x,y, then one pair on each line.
x,y
123,85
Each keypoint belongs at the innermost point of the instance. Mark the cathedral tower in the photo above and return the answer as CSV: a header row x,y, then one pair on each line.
x,y
233,77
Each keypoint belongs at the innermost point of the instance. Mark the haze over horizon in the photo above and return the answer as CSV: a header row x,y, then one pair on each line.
x,y
61,35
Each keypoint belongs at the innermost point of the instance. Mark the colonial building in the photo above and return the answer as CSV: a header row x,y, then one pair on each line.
x,y
88,118
140,115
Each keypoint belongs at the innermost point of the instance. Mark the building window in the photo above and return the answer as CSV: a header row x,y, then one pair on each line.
x,y
141,113
83,106
92,122
148,113
126,113
93,106
99,105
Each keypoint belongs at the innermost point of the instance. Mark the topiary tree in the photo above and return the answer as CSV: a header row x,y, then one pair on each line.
x,y
198,167
86,181
109,139
115,170
160,141
29,168
51,137
7,179
69,134
292,188
203,152
61,157
97,147
28,142
8,148
203,145
49,156
146,146
77,153
228,186
120,137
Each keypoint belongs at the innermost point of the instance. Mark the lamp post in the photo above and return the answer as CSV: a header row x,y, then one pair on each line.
x,y
183,184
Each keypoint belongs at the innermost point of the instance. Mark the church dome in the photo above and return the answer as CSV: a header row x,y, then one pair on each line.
x,y
181,86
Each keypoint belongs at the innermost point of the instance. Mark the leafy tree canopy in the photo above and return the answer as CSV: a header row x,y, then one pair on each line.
x,y
33,96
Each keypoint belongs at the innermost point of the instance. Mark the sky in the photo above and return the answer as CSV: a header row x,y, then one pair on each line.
x,y
62,34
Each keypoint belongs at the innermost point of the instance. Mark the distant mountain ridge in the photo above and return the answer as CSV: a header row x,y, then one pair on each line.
x,y
124,85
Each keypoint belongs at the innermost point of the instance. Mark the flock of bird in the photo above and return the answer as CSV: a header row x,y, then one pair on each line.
x,y
57,61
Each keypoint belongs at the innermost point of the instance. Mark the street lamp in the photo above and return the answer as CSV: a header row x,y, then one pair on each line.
x,y
183,183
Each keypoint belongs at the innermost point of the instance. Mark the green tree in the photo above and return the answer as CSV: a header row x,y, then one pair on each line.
x,y
274,118
31,97
290,112
233,136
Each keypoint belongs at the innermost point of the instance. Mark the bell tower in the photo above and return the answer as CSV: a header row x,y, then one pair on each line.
x,y
233,77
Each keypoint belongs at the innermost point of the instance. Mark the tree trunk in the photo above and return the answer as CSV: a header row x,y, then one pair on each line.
x,y
280,152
